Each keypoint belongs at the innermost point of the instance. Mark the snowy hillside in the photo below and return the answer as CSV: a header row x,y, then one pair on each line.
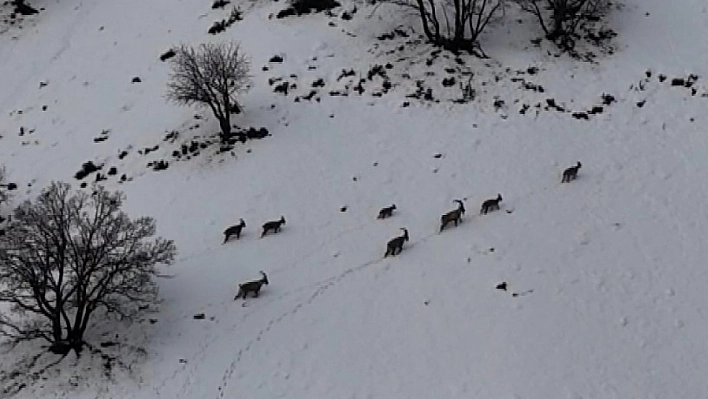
x,y
605,276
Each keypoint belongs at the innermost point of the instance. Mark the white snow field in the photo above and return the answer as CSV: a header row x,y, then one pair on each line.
x,y
606,276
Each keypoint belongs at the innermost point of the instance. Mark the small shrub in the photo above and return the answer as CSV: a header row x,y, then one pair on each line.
x,y
300,7
219,4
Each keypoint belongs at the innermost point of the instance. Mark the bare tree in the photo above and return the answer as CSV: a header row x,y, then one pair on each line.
x,y
212,76
455,24
67,256
559,19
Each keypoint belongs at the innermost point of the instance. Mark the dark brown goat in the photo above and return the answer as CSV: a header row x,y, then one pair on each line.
x,y
491,205
251,286
234,230
273,225
453,216
396,244
386,212
571,173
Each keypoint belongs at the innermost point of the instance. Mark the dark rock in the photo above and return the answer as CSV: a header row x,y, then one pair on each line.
x,y
23,8
148,150
346,73
447,82
254,133
217,27
167,55
219,4
160,165
376,70
608,99
282,88
86,169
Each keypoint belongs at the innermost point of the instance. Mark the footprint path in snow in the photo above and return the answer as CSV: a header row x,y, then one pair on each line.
x,y
201,353
322,287
197,360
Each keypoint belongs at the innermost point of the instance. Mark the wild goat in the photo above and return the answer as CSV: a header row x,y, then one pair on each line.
x,y
273,225
571,173
386,212
491,205
234,230
251,286
396,244
453,216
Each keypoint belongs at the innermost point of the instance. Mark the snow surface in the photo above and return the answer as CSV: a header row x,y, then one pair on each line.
x,y
606,276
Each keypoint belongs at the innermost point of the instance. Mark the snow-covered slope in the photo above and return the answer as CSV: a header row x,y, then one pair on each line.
x,y
605,275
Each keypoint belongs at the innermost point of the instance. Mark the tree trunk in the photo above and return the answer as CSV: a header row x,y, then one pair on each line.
x,y
559,12
459,22
56,328
225,124
76,341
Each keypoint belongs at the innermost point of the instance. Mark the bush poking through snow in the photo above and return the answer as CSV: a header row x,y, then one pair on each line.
x,y
219,4
86,169
212,76
300,7
21,7
560,19
220,26
455,26
66,257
